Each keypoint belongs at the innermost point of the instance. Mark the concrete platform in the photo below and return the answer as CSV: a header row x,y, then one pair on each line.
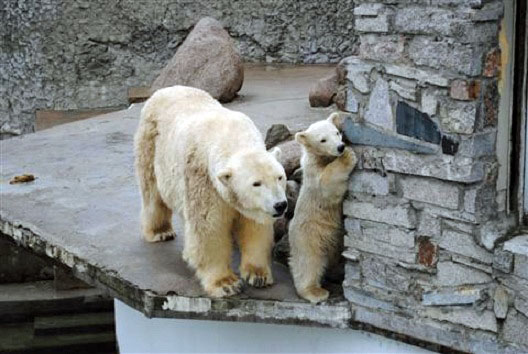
x,y
83,209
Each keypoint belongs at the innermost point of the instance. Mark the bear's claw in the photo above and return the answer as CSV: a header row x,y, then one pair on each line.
x,y
163,236
227,286
257,277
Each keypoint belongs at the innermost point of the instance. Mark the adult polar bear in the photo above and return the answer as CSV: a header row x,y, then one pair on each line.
x,y
210,165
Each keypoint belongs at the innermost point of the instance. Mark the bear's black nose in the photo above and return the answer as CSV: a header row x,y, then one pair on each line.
x,y
341,148
280,207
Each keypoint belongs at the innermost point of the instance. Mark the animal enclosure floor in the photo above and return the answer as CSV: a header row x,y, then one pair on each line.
x,y
83,208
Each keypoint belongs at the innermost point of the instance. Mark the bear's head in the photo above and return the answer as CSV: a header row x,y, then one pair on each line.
x,y
323,138
254,182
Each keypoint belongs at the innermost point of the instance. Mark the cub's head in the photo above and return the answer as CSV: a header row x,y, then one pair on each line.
x,y
254,183
323,138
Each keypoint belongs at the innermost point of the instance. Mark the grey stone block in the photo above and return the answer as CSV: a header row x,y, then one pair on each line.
x,y
380,248
515,328
458,117
372,24
464,244
428,225
452,274
388,234
517,245
379,110
399,215
520,266
404,88
352,272
503,261
422,76
460,226
464,316
429,102
371,183
424,20
381,48
362,298
521,304
478,145
470,262
442,167
430,191
462,296
456,57
489,12
371,9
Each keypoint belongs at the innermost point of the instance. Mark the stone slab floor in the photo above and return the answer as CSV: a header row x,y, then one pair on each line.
x,y
83,207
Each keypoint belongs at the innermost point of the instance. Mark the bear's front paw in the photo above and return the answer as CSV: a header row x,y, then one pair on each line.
x,y
314,294
349,157
258,277
160,236
226,286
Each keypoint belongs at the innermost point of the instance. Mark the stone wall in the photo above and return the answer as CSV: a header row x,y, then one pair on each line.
x,y
85,54
426,245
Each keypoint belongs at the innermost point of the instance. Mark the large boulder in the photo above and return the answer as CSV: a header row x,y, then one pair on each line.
x,y
323,91
290,157
208,60
276,134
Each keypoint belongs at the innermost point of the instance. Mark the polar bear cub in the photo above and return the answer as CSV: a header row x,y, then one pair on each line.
x,y
210,165
316,231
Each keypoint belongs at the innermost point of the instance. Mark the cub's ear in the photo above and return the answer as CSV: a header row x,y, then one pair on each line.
x,y
276,152
224,176
301,138
335,119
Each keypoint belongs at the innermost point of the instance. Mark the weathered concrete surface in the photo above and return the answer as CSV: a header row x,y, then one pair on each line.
x,y
83,210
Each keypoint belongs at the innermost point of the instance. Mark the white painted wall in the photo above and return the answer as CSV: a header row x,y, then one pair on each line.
x,y
138,334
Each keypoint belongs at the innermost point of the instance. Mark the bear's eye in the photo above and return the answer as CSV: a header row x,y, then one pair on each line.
x,y
337,133
280,178
257,184
323,141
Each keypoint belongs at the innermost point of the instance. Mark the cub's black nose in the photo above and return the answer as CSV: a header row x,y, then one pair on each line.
x,y
341,148
280,207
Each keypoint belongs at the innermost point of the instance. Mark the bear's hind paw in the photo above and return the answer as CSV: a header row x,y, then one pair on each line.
x,y
162,236
314,294
224,287
257,277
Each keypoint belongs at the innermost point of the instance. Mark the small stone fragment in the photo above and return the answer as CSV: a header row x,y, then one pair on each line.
x,y
500,302
22,179
492,63
426,252
465,90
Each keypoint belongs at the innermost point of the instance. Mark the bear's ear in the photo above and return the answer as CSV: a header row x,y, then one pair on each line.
x,y
301,138
335,119
276,152
224,176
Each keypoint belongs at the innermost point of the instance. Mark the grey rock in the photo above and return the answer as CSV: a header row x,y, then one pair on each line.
x,y
386,49
462,296
430,191
379,111
451,274
478,145
429,102
520,266
521,304
323,91
380,248
395,214
297,175
503,261
465,245
368,9
515,328
404,88
276,134
280,228
420,75
208,60
379,23
500,302
370,183
458,117
467,317
359,297
428,225
292,194
281,250
387,233
411,19
517,245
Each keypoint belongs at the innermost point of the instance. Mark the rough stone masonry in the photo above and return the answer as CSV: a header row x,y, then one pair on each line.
x,y
83,54
425,244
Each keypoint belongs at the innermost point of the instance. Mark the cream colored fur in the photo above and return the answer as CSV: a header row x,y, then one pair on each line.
x,y
316,232
199,159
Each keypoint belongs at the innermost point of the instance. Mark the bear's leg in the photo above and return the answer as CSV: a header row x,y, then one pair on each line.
x,y
208,248
255,242
156,217
307,265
